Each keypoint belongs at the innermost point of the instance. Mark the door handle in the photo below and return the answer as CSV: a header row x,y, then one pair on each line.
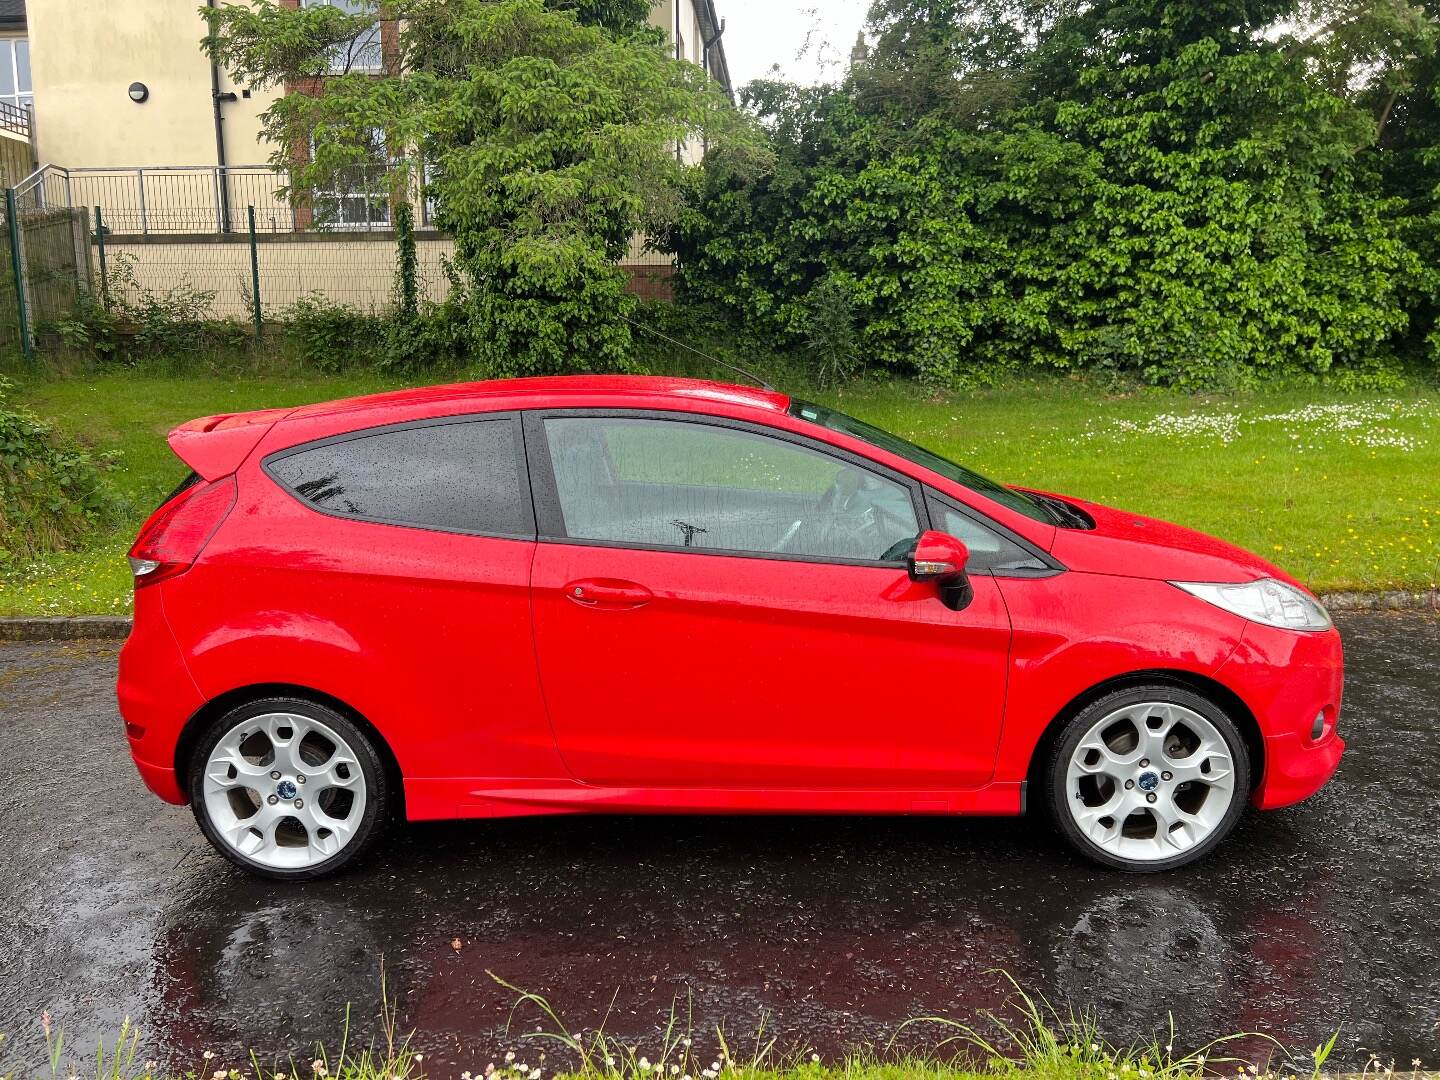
x,y
608,593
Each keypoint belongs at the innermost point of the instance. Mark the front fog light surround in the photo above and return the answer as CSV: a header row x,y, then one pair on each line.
x,y
1267,601
1317,729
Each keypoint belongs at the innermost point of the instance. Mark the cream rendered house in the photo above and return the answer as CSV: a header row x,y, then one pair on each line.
x,y
124,84
131,117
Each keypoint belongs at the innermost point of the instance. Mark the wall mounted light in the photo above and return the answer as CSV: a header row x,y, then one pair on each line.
x,y
139,92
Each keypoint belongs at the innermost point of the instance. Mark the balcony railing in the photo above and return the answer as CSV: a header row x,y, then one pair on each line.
x,y
186,199
15,119
205,200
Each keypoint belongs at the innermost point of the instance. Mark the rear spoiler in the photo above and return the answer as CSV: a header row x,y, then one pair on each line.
x,y
215,446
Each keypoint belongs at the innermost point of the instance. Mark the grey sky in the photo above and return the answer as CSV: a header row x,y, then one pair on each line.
x,y
809,39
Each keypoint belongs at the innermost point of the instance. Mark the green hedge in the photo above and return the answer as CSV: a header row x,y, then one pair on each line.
x,y
1185,203
51,490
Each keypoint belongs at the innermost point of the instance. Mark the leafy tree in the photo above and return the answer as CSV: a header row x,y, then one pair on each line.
x,y
1372,51
1384,55
546,143
960,59
1164,189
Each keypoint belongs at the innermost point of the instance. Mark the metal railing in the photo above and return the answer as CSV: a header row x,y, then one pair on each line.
x,y
170,200
219,241
191,199
46,188
15,119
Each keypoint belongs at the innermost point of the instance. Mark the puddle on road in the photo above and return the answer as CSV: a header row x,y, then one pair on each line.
x,y
837,930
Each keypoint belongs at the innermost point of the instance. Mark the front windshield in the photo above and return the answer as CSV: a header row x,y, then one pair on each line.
x,y
1018,501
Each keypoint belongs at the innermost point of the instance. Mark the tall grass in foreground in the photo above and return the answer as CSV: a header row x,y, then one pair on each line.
x,y
1031,1039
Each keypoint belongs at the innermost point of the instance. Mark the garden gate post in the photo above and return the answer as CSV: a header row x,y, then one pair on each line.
x,y
255,274
104,270
17,264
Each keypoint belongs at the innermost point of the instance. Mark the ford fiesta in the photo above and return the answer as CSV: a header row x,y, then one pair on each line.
x,y
658,595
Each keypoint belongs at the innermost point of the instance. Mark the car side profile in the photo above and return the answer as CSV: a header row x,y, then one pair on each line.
x,y
634,594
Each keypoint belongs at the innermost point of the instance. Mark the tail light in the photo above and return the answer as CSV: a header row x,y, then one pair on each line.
x,y
176,533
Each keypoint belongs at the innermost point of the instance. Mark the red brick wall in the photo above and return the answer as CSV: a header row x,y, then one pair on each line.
x,y
650,282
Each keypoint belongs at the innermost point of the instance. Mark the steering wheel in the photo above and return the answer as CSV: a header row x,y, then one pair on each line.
x,y
868,520
900,550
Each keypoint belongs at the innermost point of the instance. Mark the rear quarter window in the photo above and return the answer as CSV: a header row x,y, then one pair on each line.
x,y
461,476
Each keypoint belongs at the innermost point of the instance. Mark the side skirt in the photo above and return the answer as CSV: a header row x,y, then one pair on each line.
x,y
429,799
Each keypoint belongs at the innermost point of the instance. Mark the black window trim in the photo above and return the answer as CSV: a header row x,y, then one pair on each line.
x,y
1052,566
523,486
550,522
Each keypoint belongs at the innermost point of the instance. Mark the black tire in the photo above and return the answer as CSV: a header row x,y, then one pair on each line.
x,y
373,815
1070,737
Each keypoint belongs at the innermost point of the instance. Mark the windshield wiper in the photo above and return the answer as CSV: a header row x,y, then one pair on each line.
x,y
1069,517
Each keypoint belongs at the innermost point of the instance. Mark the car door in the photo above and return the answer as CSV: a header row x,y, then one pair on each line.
x,y
718,604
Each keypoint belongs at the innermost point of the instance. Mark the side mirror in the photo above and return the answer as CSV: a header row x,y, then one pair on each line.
x,y
941,558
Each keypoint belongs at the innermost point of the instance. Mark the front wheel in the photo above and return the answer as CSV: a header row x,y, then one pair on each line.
x,y
287,789
1148,778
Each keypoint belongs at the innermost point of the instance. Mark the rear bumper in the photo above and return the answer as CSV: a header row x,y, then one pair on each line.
x,y
156,695
1287,678
161,781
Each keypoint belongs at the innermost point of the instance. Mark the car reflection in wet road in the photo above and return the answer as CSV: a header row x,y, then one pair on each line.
x,y
837,930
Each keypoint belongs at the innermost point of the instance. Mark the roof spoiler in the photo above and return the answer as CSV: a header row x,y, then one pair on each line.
x,y
215,446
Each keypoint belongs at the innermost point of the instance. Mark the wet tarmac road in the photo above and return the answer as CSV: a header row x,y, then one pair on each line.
x,y
837,929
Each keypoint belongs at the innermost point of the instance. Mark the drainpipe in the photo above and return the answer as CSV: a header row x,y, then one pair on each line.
x,y
709,43
679,55
222,185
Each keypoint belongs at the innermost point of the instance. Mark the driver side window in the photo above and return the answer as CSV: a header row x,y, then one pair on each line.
x,y
678,484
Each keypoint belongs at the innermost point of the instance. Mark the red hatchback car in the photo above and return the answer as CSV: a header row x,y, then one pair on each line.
x,y
632,594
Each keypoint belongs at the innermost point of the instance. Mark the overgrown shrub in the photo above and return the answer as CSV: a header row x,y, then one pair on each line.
x,y
831,340
51,489
331,337
128,321
547,132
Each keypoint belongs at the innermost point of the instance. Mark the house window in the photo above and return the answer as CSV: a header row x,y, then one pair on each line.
x,y
363,52
15,86
357,196
358,200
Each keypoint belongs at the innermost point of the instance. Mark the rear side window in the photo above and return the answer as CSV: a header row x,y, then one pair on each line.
x,y
459,477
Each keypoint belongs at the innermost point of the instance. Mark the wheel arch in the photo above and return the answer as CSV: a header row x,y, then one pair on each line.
x,y
218,706
1217,693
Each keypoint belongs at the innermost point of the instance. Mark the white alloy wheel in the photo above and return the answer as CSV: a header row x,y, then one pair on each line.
x,y
1150,781
284,791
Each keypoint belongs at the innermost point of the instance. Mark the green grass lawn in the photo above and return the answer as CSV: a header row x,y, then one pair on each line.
x,y
1342,490
1028,1039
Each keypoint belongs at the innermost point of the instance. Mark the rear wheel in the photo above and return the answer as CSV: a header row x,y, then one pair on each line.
x,y
1148,778
287,789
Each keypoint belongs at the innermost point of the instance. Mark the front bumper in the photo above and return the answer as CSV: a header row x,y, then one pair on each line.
x,y
1286,678
1295,768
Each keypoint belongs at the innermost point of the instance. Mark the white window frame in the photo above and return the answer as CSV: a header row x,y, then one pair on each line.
x,y
21,97
366,51
336,198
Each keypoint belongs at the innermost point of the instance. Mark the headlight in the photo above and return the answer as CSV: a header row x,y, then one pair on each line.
x,y
1267,601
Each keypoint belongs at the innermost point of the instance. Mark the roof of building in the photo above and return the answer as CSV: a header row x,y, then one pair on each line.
x,y
12,13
